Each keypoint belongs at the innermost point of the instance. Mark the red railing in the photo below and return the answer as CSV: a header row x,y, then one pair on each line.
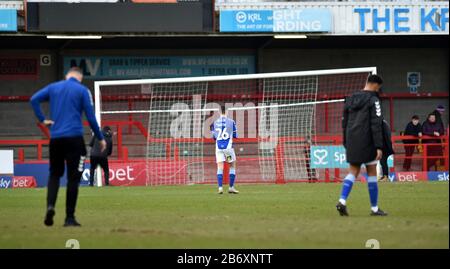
x,y
172,150
26,142
424,155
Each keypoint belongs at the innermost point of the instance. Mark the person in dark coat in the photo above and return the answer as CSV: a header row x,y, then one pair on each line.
x,y
432,128
388,150
311,172
99,157
438,112
362,124
413,128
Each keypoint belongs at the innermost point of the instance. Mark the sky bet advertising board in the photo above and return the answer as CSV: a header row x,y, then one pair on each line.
x,y
31,175
278,20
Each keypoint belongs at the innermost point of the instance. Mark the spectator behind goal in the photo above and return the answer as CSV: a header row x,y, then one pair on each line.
x,y
438,113
432,128
99,157
413,128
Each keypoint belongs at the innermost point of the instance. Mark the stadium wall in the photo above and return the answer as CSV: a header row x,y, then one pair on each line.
x,y
393,64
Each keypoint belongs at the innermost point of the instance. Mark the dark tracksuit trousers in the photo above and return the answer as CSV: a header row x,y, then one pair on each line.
x,y
69,151
103,162
384,165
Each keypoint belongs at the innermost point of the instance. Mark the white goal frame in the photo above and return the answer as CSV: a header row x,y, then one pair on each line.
x,y
98,84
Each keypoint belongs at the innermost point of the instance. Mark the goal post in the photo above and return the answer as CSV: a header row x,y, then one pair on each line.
x,y
165,122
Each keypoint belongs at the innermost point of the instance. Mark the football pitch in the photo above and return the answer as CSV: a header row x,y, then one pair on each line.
x,y
261,216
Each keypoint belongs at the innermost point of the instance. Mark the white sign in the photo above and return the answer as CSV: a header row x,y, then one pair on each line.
x,y
6,162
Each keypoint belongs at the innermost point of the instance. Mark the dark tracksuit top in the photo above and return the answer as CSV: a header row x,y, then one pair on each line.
x,y
413,130
95,146
99,157
362,125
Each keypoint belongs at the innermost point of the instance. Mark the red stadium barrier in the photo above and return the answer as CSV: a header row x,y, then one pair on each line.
x,y
31,142
422,161
424,155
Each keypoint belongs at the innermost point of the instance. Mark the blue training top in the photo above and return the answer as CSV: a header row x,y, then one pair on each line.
x,y
68,99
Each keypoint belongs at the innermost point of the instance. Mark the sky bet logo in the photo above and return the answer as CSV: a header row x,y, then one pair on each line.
x,y
438,176
115,173
5,182
17,182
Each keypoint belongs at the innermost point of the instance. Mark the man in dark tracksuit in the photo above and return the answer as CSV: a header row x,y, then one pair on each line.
x,y
99,157
388,150
68,99
362,125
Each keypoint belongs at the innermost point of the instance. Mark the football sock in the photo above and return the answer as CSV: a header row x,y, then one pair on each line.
x,y
373,192
346,188
232,177
220,177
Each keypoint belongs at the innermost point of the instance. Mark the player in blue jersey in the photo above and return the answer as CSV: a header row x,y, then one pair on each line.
x,y
224,131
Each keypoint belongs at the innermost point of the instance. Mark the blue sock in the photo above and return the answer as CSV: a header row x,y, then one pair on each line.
x,y
347,187
373,190
220,177
232,176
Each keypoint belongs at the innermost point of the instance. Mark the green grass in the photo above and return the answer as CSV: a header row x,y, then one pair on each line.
x,y
261,216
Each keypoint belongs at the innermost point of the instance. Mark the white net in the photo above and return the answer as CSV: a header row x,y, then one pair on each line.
x,y
164,123
175,147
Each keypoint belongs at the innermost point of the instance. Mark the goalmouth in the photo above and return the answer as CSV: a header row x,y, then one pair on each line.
x,y
280,117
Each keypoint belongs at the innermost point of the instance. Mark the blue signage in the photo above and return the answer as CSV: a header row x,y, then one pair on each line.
x,y
135,67
5,182
438,176
246,21
399,19
328,157
333,157
8,20
278,20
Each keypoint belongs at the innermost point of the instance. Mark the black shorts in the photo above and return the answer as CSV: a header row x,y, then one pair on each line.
x,y
70,151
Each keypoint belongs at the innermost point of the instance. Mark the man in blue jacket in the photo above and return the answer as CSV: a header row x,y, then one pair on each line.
x,y
68,99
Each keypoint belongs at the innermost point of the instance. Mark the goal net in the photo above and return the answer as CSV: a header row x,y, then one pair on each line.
x,y
164,124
